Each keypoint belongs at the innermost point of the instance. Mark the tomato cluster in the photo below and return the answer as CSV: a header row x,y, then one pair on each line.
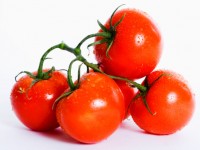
x,y
127,47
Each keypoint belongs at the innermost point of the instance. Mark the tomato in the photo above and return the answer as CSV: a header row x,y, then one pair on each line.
x,y
136,47
170,100
33,104
93,111
129,94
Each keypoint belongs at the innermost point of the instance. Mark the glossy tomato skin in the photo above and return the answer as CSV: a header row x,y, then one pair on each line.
x,y
93,111
33,105
136,49
128,93
170,100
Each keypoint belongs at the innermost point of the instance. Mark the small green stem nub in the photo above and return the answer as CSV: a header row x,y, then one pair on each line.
x,y
64,46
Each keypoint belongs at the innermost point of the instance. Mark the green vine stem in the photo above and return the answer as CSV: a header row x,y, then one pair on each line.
x,y
132,83
95,67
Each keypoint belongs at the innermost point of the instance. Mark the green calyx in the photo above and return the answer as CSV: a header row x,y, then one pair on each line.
x,y
144,90
107,35
112,31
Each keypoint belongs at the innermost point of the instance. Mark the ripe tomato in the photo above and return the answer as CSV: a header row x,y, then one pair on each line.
x,y
33,105
128,92
93,111
136,47
169,99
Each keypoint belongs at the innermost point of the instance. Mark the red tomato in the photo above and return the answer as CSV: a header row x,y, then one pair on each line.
x,y
93,111
128,92
136,48
169,99
33,105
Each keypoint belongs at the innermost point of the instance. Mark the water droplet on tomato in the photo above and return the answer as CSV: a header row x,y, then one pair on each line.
x,y
139,39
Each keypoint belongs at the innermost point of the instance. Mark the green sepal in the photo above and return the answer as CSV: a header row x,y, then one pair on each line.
x,y
69,75
146,104
61,97
79,76
104,40
103,28
111,26
111,31
26,72
117,23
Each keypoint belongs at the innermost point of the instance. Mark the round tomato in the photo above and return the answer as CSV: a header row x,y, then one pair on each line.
x,y
93,111
129,94
136,47
32,104
170,101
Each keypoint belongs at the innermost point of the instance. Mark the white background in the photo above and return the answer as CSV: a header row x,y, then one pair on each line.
x,y
29,27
